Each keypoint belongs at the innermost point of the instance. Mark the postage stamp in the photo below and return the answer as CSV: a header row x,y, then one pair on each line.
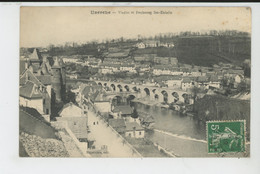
x,y
226,136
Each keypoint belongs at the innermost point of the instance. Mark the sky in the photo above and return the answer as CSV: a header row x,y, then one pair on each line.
x,y
41,26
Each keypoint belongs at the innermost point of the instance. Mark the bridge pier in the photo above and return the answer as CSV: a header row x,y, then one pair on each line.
x,y
146,91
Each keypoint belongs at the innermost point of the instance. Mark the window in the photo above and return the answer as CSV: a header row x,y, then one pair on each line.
x,y
140,133
129,134
47,111
43,101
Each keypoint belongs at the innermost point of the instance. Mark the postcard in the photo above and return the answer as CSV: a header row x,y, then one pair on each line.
x,y
134,82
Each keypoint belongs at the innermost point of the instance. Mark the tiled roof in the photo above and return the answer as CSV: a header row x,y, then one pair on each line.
x,y
30,76
28,91
186,80
118,124
44,79
202,79
35,55
118,55
34,67
125,110
45,67
131,126
70,104
22,66
213,78
176,78
101,96
115,123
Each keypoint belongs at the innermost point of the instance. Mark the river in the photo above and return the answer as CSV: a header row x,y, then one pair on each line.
x,y
183,135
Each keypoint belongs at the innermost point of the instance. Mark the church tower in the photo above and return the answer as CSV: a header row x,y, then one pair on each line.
x,y
56,79
63,78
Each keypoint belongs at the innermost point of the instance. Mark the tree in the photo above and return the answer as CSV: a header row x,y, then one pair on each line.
x,y
70,97
135,114
195,90
224,82
243,87
247,71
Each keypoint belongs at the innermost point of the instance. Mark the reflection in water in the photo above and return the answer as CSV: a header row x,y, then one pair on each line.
x,y
182,135
171,121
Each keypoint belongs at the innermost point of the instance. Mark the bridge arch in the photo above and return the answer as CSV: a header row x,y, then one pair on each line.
x,y
120,88
147,91
156,96
113,87
135,89
185,97
127,88
175,96
129,98
165,96
116,100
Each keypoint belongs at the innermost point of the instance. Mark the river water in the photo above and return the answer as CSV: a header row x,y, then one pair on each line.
x,y
171,121
183,135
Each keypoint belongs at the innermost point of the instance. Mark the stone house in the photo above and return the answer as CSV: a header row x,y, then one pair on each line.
x,y
134,130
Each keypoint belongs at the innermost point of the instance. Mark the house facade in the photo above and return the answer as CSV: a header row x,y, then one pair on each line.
x,y
76,119
134,130
35,96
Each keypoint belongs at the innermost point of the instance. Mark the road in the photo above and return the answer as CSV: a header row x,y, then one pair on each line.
x,y
104,135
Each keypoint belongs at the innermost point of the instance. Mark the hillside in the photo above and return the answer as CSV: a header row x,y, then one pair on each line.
x,y
209,50
217,107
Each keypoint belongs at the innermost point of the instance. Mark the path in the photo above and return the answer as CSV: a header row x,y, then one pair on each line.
x,y
104,135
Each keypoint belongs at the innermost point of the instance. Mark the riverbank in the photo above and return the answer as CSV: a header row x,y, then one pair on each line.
x,y
146,148
182,135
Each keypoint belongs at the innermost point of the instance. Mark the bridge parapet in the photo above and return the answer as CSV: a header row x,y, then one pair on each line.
x,y
155,93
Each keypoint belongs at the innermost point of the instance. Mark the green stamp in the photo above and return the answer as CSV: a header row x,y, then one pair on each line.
x,y
226,136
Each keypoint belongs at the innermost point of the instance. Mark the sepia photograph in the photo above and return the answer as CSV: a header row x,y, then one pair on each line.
x,y
134,82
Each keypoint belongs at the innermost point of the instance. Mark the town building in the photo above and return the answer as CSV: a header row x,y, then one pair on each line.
x,y
186,83
202,82
77,121
48,71
134,130
123,111
151,43
144,57
174,82
118,124
140,45
214,82
166,60
35,96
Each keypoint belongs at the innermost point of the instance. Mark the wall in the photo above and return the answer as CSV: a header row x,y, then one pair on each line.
x,y
32,103
103,106
135,134
47,104
71,111
174,83
78,125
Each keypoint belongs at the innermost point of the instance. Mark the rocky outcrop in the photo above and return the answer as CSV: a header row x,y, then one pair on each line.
x,y
36,146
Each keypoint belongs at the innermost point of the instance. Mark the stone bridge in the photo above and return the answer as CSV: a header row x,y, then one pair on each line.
x,y
167,95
